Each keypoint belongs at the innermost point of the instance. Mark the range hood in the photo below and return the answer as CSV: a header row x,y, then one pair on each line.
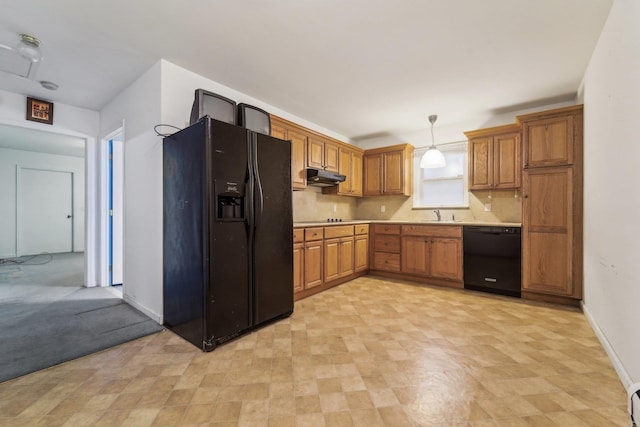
x,y
323,178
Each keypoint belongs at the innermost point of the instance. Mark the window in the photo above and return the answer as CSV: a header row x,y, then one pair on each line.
x,y
442,187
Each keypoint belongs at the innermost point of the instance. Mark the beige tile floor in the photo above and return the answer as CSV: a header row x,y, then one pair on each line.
x,y
368,353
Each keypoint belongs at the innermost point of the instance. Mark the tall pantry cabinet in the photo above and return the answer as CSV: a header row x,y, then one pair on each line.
x,y
552,205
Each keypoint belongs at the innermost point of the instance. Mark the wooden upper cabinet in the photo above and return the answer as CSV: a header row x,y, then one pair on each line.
x,y
387,170
480,163
393,171
372,184
356,173
349,165
494,158
322,154
283,129
550,138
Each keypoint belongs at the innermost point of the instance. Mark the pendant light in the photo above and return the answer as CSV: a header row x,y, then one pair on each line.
x,y
432,158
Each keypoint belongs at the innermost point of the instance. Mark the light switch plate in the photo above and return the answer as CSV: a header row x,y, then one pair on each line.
x,y
487,207
383,208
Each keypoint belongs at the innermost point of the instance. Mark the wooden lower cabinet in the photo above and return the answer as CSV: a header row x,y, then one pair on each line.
x,y
338,258
446,258
437,257
313,260
329,256
298,267
361,253
416,252
331,259
428,253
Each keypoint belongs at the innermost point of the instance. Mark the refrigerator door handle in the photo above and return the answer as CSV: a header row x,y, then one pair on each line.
x,y
259,199
249,204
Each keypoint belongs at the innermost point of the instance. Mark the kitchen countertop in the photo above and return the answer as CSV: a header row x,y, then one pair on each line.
x,y
425,222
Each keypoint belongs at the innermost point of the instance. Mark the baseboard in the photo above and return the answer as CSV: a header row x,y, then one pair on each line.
x,y
624,376
155,316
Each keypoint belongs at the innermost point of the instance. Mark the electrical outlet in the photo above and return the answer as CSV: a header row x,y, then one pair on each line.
x,y
383,208
335,207
487,207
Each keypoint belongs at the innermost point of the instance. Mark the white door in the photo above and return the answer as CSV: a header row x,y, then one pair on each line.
x,y
45,211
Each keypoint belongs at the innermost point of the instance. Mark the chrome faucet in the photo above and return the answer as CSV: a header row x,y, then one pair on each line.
x,y
437,212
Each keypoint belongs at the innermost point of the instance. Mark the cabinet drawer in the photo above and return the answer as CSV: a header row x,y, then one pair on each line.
x,y
362,229
386,261
432,230
298,235
338,231
314,233
386,243
386,228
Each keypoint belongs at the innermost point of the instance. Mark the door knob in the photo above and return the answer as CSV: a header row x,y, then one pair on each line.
x,y
68,216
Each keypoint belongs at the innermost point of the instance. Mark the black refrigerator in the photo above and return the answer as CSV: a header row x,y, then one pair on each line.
x,y
228,231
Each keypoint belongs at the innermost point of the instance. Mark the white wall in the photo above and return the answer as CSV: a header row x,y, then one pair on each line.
x,y
74,121
9,160
611,198
139,107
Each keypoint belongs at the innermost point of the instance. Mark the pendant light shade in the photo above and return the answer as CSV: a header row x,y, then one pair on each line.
x,y
432,158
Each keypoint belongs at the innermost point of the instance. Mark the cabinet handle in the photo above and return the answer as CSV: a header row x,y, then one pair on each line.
x,y
526,196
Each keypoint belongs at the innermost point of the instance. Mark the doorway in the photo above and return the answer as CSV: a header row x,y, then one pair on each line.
x,y
45,211
114,211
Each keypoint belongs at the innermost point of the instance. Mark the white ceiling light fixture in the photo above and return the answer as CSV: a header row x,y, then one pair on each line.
x,y
23,59
433,157
29,48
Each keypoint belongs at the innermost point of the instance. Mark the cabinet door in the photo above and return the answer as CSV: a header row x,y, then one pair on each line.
x,y
313,264
278,131
393,173
298,267
315,153
361,253
344,168
481,163
547,232
331,154
415,255
331,259
346,262
446,258
298,160
372,175
507,170
549,142
356,174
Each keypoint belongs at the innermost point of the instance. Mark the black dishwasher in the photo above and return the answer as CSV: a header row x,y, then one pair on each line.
x,y
492,259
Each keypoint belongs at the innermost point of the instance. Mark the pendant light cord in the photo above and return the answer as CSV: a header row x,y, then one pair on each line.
x,y
433,141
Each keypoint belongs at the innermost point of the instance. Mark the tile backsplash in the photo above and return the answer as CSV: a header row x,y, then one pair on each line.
x,y
312,205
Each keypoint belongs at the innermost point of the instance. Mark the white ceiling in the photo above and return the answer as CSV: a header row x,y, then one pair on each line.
x,y
356,67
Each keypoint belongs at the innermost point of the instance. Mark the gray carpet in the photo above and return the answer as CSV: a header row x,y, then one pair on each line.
x,y
44,323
